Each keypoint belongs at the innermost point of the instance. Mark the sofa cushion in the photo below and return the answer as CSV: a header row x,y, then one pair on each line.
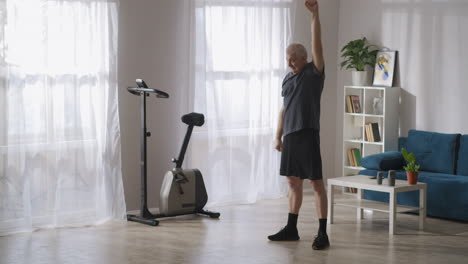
x,y
462,164
402,143
389,160
435,152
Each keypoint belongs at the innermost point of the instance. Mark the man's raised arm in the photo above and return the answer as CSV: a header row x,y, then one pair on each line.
x,y
317,50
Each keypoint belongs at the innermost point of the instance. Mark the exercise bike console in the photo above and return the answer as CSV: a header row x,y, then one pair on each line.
x,y
143,88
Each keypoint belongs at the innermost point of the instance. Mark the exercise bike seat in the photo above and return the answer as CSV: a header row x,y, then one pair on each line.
x,y
193,119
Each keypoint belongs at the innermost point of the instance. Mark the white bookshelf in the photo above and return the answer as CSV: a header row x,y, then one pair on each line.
x,y
354,123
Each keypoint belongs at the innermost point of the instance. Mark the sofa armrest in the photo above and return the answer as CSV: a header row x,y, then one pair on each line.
x,y
390,160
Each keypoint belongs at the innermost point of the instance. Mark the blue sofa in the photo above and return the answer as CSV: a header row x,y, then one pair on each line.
x,y
444,167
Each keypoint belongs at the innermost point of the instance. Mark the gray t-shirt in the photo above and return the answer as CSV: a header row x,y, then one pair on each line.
x,y
302,94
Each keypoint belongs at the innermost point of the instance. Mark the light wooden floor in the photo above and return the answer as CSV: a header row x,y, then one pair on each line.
x,y
239,236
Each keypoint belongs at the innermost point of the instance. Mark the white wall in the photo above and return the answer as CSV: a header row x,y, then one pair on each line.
x,y
153,45
329,21
432,39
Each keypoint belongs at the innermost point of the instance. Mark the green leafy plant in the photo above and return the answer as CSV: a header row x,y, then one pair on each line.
x,y
411,165
357,54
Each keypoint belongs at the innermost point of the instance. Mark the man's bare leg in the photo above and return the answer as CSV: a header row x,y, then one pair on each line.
x,y
289,232
295,194
320,195
321,241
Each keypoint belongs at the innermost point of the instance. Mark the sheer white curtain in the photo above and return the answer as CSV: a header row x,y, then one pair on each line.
x,y
238,49
59,131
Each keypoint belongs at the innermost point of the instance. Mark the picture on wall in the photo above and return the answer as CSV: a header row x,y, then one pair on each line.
x,y
384,68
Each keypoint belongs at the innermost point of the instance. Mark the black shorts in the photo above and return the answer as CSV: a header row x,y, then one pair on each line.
x,y
301,155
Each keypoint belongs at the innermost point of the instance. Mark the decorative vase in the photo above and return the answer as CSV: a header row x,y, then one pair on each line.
x,y
360,78
412,177
377,105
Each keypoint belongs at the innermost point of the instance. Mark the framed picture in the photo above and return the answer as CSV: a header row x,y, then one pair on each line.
x,y
384,68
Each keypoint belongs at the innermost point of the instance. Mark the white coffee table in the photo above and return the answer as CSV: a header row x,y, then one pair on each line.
x,y
363,182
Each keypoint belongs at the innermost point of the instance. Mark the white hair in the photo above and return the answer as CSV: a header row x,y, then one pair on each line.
x,y
297,49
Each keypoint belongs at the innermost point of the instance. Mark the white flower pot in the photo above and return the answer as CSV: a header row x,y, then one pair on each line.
x,y
360,78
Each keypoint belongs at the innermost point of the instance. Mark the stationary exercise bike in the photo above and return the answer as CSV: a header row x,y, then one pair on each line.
x,y
183,191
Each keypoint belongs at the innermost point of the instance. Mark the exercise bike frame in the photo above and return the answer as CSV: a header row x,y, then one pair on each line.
x,y
145,217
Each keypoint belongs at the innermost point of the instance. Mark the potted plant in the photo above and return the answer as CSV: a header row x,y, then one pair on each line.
x,y
357,54
411,167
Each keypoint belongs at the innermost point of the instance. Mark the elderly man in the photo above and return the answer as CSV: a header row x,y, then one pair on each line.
x,y
298,136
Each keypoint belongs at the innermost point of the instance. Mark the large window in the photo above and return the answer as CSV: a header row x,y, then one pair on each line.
x,y
239,64
57,57
240,60
59,126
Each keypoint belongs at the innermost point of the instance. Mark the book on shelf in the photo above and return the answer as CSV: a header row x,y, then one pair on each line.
x,y
364,137
354,157
350,158
368,136
356,104
372,132
375,132
350,189
349,104
357,156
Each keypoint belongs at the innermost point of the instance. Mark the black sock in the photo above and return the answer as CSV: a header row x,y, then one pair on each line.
x,y
323,225
292,220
